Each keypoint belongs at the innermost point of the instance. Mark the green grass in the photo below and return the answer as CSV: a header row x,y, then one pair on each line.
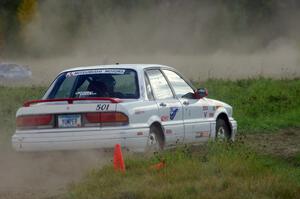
x,y
11,98
259,105
219,170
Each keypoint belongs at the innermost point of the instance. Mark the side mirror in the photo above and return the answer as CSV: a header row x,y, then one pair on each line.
x,y
201,92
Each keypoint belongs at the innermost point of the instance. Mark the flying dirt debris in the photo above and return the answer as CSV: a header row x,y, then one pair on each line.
x,y
14,72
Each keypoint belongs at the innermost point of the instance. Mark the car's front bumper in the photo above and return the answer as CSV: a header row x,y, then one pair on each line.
x,y
233,124
71,139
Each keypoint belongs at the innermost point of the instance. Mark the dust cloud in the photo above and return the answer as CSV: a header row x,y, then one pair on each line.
x,y
44,175
221,64
203,39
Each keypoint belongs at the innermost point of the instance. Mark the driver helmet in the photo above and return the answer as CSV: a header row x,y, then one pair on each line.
x,y
109,82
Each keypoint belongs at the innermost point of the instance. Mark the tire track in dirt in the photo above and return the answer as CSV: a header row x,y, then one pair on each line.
x,y
284,144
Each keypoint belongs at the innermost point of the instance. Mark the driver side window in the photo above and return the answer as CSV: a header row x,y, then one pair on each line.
x,y
181,88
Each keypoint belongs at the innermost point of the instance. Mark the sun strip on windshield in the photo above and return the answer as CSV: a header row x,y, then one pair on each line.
x,y
97,71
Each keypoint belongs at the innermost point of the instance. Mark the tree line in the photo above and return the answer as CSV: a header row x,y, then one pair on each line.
x,y
230,17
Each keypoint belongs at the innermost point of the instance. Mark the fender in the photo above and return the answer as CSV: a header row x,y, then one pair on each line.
x,y
220,110
153,119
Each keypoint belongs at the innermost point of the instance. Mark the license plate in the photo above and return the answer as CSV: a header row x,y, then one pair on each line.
x,y
69,121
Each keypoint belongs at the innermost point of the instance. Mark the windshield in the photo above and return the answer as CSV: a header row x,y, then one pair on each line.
x,y
117,83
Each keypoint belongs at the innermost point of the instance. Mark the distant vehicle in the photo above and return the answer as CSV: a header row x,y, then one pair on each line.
x,y
10,71
141,107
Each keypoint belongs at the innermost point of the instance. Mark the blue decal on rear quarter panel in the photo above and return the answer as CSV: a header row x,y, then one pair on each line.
x,y
173,111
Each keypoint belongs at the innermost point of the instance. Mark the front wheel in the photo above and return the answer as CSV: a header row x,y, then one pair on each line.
x,y
222,130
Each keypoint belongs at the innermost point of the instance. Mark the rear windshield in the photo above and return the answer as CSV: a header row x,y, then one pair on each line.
x,y
117,83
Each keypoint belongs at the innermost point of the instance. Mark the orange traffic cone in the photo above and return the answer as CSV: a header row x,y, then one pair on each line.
x,y
119,164
158,166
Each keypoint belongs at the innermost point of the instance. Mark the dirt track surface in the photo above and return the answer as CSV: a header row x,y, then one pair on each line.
x,y
283,144
44,175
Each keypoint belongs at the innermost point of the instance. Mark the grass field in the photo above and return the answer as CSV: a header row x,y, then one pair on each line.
x,y
260,105
11,98
215,170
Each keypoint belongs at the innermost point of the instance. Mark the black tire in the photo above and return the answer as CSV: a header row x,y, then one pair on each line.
x,y
222,130
155,140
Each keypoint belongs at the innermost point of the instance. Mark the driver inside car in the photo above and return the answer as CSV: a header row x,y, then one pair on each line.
x,y
99,88
110,83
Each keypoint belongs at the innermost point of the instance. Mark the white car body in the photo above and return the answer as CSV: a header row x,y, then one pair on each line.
x,y
181,120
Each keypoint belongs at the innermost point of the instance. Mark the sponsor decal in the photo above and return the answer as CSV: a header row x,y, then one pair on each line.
x,y
96,71
138,112
205,114
84,93
211,115
139,133
205,108
201,134
173,111
169,131
164,118
102,107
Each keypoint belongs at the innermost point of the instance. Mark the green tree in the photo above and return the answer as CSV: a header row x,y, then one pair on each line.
x,y
9,26
26,11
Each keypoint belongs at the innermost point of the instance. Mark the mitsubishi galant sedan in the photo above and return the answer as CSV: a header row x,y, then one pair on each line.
x,y
140,107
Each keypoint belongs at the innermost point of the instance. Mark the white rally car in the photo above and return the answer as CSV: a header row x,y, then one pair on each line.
x,y
141,107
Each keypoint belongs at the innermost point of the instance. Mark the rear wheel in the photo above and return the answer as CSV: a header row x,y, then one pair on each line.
x,y
155,140
222,130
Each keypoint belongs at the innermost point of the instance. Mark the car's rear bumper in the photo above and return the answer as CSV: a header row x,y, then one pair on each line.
x,y
135,139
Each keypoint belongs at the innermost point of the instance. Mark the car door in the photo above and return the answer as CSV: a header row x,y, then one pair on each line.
x,y
170,108
195,118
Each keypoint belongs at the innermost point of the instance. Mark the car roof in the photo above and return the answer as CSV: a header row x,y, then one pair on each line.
x,y
136,67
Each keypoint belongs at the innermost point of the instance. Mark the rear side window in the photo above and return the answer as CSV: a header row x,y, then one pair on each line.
x,y
117,83
159,85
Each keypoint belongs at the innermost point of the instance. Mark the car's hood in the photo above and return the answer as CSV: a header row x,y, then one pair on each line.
x,y
217,102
